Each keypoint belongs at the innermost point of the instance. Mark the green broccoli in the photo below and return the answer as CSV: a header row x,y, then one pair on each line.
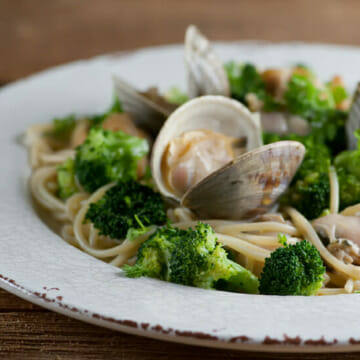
x,y
349,188
317,159
154,254
309,191
347,166
305,99
66,179
245,79
317,106
108,156
310,196
126,207
191,257
292,270
62,127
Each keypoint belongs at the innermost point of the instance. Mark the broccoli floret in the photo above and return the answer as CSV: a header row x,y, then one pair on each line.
x,y
127,205
317,106
293,270
310,196
191,257
154,254
66,179
245,79
305,99
349,188
317,160
347,166
108,156
62,127
191,254
309,191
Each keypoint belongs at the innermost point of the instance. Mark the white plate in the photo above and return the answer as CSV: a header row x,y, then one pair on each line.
x,y
39,266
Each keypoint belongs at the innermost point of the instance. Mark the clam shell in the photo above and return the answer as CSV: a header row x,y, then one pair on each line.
x,y
146,114
248,186
217,113
353,121
205,72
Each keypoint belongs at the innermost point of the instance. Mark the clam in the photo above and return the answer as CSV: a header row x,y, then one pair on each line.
x,y
149,110
205,72
338,226
353,121
341,233
209,158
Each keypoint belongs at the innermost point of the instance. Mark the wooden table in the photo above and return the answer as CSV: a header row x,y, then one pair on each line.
x,y
35,34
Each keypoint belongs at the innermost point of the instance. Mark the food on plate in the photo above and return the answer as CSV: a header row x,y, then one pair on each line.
x,y
248,182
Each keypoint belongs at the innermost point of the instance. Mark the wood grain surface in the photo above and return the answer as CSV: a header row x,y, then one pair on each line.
x,y
33,333
35,34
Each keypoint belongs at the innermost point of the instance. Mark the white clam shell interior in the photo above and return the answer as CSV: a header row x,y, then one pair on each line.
x,y
216,113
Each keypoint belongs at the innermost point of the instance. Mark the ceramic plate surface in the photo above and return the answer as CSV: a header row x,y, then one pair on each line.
x,y
40,267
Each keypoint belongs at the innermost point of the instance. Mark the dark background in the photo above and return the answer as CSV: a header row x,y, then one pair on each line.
x,y
35,34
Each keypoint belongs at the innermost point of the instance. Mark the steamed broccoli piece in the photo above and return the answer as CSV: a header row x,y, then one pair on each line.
x,y
127,206
347,166
62,127
310,196
108,156
317,106
66,179
309,191
305,99
317,159
154,254
191,257
292,270
349,188
245,79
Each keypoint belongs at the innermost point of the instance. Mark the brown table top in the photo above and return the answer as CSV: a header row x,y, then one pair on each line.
x,y
40,33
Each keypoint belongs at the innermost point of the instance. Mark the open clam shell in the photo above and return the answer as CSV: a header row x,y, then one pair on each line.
x,y
217,113
353,121
146,113
249,185
205,72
